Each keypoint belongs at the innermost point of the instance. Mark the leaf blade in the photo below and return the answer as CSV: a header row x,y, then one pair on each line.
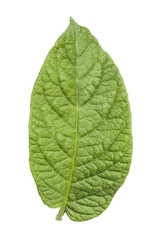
x,y
82,135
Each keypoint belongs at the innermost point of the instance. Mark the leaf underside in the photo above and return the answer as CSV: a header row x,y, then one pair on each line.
x,y
80,136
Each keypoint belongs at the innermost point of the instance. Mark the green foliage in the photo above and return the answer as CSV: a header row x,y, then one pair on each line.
x,y
80,127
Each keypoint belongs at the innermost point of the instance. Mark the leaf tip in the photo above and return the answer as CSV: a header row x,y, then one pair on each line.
x,y
72,22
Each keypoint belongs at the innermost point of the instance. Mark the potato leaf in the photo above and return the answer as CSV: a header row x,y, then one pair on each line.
x,y
80,136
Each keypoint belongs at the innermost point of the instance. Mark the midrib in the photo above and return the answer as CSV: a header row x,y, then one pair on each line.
x,y
63,206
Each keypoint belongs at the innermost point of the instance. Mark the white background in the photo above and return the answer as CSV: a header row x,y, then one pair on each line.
x,y
130,32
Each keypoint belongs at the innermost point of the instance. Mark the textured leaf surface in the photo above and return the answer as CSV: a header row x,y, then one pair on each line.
x,y
80,127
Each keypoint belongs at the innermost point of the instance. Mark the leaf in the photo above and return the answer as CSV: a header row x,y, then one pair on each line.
x,y
80,127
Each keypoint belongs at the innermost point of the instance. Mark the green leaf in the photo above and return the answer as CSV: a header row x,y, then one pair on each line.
x,y
80,127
